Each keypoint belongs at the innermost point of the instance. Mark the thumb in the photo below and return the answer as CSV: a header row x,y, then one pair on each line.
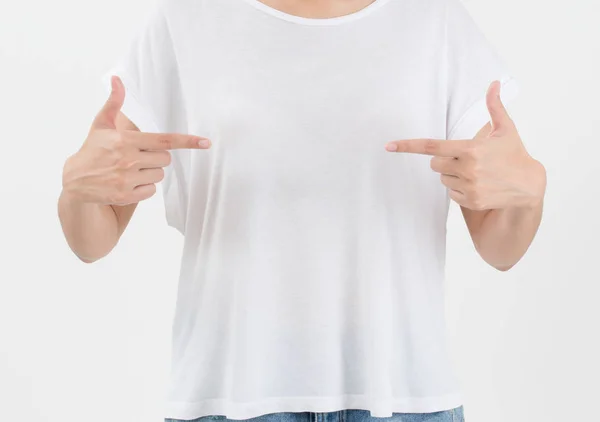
x,y
107,116
500,119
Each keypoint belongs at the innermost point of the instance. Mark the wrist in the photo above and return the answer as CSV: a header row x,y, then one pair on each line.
x,y
71,200
69,193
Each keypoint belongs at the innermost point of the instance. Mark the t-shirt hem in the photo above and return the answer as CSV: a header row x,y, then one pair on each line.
x,y
377,406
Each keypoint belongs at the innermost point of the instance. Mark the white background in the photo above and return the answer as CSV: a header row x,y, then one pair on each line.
x,y
91,342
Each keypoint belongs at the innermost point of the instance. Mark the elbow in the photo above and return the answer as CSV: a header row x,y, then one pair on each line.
x,y
497,264
89,258
494,260
86,260
503,268
88,254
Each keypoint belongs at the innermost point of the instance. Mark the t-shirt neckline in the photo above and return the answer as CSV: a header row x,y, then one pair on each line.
x,y
317,21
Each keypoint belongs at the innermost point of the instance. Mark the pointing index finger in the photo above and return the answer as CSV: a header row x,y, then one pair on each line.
x,y
167,141
428,146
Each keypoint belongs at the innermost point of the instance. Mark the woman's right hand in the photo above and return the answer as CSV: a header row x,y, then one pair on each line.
x,y
120,167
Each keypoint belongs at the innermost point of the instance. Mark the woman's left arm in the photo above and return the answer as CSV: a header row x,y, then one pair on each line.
x,y
502,235
498,185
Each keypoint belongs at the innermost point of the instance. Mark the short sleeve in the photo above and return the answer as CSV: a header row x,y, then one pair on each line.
x,y
153,98
148,69
472,63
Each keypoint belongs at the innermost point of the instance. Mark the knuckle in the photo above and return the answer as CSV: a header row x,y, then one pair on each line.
x,y
118,147
473,149
116,159
165,142
431,146
118,140
126,162
133,163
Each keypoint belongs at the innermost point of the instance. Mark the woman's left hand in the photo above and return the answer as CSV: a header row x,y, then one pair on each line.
x,y
490,171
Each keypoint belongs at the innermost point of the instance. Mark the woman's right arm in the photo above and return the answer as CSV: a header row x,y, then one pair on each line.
x,y
92,229
116,167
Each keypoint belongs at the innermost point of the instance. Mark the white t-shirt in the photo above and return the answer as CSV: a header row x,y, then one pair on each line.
x,y
312,275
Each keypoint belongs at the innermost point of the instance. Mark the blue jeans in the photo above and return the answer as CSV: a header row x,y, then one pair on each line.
x,y
349,415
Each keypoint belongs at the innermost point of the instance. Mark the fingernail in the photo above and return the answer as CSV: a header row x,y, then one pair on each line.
x,y
391,147
204,143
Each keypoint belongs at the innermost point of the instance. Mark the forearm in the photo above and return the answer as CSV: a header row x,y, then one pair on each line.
x,y
91,230
505,234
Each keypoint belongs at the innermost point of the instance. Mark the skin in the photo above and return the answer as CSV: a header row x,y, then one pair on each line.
x,y
318,9
116,167
498,185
